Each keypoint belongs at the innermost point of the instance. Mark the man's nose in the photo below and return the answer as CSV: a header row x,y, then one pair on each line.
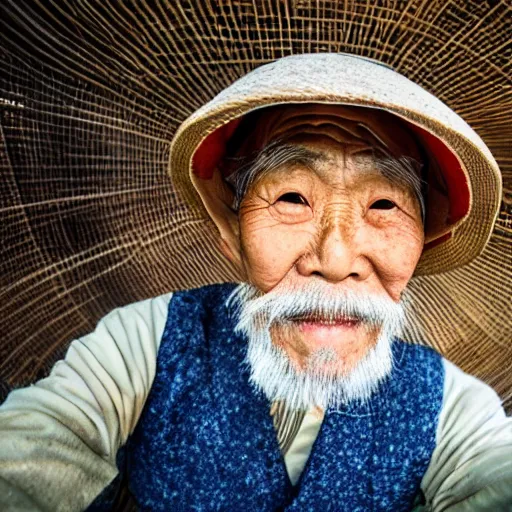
x,y
336,255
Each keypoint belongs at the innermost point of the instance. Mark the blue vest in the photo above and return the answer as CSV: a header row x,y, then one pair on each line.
x,y
206,440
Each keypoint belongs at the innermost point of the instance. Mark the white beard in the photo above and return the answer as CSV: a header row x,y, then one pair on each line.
x,y
273,373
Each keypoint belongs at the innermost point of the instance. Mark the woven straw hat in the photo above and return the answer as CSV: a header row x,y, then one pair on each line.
x,y
471,175
93,93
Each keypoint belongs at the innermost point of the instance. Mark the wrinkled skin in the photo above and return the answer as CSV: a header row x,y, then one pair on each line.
x,y
340,222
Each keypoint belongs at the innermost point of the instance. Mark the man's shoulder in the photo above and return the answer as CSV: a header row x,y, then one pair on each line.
x,y
158,306
465,392
211,300
146,308
471,466
460,386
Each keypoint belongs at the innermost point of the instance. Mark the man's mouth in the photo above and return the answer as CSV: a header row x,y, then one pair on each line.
x,y
319,321
323,331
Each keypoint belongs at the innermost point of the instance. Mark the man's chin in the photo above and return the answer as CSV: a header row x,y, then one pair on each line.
x,y
323,380
326,363
322,348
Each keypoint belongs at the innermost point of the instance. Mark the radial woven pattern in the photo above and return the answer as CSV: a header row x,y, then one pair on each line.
x,y
91,93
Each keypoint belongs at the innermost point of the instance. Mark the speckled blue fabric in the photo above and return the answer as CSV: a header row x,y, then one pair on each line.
x,y
206,441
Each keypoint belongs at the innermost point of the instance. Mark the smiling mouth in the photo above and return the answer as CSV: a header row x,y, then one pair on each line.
x,y
318,321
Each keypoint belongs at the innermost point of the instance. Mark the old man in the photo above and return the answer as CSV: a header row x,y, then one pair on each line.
x,y
332,180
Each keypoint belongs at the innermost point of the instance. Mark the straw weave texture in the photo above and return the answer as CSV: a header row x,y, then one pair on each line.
x,y
91,93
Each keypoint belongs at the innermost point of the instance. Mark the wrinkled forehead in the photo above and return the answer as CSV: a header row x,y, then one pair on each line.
x,y
355,129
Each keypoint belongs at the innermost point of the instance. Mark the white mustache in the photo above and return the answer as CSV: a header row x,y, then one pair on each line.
x,y
314,301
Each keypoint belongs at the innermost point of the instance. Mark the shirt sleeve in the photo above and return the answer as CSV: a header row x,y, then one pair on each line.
x,y
471,467
59,437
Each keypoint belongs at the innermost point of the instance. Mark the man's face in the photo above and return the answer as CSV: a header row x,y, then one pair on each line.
x,y
339,221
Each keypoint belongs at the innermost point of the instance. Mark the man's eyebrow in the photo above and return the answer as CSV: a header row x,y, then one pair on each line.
x,y
403,171
276,156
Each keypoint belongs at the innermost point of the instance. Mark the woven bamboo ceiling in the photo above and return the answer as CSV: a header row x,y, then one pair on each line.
x,y
91,93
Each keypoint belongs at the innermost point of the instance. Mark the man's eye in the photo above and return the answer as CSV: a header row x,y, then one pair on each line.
x,y
383,204
292,197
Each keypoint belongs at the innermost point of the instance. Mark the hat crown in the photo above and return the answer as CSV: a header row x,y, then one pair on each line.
x,y
370,82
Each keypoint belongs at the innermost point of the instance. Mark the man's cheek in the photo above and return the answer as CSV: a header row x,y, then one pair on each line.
x,y
395,262
270,254
269,260
406,254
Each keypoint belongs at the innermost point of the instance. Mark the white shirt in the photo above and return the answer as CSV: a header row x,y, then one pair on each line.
x,y
59,437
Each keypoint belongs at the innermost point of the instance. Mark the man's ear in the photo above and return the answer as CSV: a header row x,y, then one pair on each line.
x,y
218,199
